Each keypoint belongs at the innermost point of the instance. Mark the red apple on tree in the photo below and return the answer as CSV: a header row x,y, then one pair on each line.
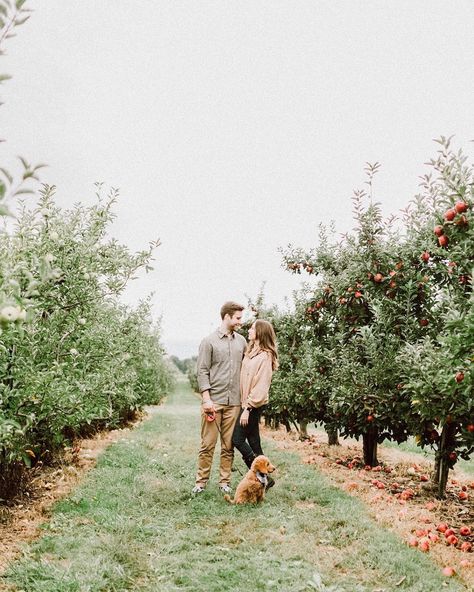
x,y
460,207
461,221
449,215
443,241
438,230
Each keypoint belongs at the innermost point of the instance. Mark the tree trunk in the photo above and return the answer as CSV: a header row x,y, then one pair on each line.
x,y
442,458
333,437
271,422
369,440
443,477
303,430
435,477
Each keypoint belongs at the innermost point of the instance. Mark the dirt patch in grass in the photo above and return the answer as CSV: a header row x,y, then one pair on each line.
x,y
21,518
396,494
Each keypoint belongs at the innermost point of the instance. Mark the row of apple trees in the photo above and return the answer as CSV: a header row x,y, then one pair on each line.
x,y
380,344
73,358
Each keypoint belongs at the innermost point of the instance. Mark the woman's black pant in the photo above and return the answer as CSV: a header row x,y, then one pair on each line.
x,y
247,438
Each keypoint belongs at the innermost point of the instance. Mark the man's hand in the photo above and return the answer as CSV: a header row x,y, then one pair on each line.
x,y
208,406
244,418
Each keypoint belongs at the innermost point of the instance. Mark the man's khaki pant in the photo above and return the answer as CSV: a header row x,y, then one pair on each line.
x,y
223,425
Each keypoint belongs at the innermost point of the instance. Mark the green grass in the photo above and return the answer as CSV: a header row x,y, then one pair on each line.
x,y
133,525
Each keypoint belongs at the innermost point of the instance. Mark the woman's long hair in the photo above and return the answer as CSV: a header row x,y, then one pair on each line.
x,y
265,335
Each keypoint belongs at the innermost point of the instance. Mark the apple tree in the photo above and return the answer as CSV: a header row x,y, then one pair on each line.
x,y
439,369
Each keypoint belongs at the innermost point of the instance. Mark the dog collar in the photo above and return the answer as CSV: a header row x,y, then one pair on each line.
x,y
262,477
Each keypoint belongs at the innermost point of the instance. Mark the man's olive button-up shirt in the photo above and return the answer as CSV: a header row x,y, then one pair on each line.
x,y
218,366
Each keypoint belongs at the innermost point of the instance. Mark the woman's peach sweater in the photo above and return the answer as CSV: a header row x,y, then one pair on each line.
x,y
255,378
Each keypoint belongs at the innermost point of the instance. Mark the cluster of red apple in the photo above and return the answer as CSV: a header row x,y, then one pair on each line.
x,y
456,215
396,489
357,463
317,305
378,484
379,278
463,495
298,266
307,266
424,537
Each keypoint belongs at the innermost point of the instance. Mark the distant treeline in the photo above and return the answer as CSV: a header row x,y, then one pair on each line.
x,y
187,367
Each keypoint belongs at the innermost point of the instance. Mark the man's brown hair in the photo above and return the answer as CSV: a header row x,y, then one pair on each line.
x,y
230,308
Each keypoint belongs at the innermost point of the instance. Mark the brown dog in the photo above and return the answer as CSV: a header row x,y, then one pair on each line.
x,y
251,489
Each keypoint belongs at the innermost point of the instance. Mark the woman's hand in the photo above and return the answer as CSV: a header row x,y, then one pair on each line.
x,y
244,418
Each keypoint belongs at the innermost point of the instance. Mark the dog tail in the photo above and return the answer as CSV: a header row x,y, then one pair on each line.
x,y
228,498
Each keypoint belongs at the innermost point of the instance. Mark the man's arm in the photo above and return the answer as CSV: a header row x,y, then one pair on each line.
x,y
204,362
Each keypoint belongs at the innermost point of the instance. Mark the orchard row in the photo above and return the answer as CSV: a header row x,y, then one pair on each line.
x,y
73,359
380,344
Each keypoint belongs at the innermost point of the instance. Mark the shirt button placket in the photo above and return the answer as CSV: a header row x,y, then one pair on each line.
x,y
230,367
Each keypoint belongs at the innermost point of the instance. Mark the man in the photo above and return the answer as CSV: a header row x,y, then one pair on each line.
x,y
218,372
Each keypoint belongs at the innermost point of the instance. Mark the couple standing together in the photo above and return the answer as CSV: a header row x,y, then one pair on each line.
x,y
234,379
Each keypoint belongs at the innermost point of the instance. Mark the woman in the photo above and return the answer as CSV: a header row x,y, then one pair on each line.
x,y
260,360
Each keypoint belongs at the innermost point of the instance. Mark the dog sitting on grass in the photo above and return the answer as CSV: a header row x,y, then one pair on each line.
x,y
251,490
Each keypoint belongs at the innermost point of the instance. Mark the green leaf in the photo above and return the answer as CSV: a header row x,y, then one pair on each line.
x,y
6,174
4,211
24,162
26,460
21,21
24,191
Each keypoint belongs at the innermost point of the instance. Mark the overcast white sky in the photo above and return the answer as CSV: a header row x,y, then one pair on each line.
x,y
233,128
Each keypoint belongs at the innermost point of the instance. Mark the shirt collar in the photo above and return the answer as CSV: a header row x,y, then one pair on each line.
x,y
255,352
223,334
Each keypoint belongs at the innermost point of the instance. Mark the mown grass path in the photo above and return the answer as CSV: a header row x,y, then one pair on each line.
x,y
133,525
